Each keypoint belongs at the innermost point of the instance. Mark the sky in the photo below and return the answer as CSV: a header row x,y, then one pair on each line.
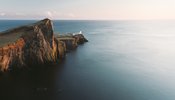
x,y
88,9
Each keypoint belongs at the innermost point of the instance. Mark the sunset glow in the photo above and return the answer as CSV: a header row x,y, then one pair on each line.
x,y
87,9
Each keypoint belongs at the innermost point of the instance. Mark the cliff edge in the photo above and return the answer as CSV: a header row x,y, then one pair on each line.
x,y
72,40
32,44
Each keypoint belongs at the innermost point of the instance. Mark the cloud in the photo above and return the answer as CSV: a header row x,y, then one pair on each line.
x,y
29,15
49,14
58,15
71,15
52,14
20,14
2,14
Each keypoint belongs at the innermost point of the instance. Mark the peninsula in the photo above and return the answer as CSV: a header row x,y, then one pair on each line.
x,y
33,44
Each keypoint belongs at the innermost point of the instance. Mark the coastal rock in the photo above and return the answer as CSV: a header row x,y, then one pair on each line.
x,y
72,40
28,45
34,44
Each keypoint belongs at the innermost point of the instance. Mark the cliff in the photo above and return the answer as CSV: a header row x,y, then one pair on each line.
x,y
72,41
30,45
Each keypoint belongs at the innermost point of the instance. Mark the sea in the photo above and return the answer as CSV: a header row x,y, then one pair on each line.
x,y
123,60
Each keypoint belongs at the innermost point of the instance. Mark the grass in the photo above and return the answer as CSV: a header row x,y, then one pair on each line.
x,y
9,38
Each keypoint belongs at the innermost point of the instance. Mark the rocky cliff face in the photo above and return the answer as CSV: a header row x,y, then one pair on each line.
x,y
29,45
33,44
72,41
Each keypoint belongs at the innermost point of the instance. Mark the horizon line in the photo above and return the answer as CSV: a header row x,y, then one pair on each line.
x,y
81,19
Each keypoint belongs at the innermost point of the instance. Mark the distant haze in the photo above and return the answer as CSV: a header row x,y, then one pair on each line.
x,y
88,9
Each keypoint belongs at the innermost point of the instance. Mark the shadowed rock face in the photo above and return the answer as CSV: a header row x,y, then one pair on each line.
x,y
72,41
34,44
29,45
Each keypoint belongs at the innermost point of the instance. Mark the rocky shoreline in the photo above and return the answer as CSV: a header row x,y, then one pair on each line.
x,y
33,44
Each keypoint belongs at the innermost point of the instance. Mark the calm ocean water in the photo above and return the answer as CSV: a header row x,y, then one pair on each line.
x,y
123,60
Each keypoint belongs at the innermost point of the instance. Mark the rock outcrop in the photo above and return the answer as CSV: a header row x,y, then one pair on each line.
x,y
33,44
72,40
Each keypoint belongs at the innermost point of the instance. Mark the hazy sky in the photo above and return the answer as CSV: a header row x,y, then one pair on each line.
x,y
87,9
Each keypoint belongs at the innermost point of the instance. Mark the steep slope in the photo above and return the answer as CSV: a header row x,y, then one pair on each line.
x,y
33,44
29,45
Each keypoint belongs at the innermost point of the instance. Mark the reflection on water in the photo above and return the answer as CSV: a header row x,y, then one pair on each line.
x,y
123,60
27,85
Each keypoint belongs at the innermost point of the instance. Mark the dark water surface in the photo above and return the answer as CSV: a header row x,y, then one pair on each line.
x,y
123,60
